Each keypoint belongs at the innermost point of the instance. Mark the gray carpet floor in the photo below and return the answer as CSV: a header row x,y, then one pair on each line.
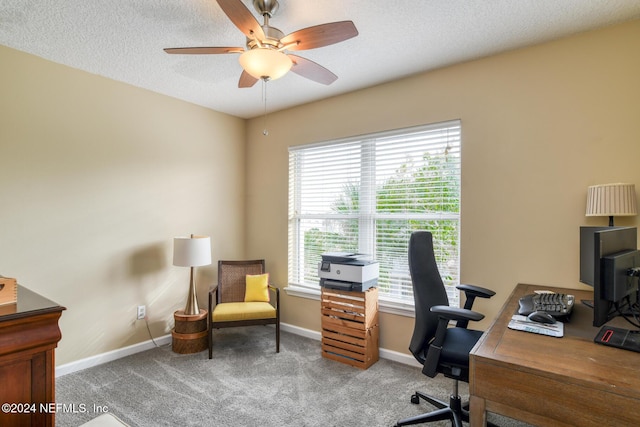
x,y
248,384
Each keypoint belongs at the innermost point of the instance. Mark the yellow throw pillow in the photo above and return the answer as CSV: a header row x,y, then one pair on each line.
x,y
257,288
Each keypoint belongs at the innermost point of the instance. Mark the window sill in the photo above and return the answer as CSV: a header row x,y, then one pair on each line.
x,y
385,306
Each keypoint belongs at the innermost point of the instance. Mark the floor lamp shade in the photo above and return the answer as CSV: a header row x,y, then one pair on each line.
x,y
612,200
192,252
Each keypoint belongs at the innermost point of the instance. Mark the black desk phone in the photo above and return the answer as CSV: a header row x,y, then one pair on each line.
x,y
557,305
619,337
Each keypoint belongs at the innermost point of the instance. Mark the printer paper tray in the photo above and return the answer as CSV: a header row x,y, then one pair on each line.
x,y
348,286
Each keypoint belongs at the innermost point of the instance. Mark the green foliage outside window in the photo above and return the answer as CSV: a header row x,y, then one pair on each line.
x,y
416,197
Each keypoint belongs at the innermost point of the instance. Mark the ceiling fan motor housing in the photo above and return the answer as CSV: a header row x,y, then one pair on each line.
x,y
266,7
271,40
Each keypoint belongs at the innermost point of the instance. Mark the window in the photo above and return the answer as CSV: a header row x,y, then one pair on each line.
x,y
367,194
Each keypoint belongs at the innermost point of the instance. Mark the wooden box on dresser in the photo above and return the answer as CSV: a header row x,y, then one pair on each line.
x,y
29,334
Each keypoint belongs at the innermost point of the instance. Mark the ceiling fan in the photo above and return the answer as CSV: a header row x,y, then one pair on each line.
x,y
266,55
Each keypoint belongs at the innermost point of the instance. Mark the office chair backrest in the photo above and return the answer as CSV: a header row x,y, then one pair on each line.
x,y
232,278
428,290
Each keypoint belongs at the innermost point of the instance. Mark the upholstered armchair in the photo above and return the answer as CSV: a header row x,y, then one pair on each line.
x,y
243,297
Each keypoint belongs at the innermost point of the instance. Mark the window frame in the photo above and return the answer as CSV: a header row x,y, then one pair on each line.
x,y
367,221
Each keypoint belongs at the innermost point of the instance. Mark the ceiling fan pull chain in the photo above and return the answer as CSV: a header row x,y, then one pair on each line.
x,y
265,131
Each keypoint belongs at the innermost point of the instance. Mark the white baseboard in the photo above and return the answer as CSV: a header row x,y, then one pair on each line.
x,y
109,356
119,353
395,356
308,333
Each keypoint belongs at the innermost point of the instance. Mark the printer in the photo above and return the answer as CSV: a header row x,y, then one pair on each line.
x,y
348,271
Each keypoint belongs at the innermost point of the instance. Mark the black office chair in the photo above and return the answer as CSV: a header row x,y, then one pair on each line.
x,y
438,348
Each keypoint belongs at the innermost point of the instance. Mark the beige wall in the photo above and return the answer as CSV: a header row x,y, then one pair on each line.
x,y
96,178
539,125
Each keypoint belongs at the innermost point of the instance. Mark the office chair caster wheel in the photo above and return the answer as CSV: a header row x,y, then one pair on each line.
x,y
415,399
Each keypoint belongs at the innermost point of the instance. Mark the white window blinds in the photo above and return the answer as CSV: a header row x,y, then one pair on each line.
x,y
367,194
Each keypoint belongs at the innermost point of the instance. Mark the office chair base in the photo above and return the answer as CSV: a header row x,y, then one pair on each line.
x,y
437,415
415,399
452,411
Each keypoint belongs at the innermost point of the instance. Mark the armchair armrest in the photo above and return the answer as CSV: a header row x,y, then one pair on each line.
x,y
212,292
277,292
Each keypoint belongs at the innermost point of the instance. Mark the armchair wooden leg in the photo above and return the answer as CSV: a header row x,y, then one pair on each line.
x,y
210,342
277,337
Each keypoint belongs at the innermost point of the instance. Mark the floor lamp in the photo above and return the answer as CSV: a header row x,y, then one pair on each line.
x,y
192,252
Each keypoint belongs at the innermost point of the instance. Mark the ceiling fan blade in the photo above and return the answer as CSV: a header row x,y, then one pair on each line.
x,y
203,50
242,18
246,80
320,35
312,71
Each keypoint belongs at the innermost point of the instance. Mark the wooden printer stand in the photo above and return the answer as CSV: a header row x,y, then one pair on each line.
x,y
350,326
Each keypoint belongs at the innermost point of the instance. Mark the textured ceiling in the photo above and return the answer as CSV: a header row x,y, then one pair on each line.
x,y
123,40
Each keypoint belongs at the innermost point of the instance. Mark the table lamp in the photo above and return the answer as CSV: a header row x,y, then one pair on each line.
x,y
192,252
612,200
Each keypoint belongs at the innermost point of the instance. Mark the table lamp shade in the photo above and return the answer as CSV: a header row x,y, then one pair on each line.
x,y
612,200
191,251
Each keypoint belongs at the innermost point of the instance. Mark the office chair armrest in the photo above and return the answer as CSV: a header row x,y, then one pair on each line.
x,y
475,291
445,315
460,315
455,313
470,293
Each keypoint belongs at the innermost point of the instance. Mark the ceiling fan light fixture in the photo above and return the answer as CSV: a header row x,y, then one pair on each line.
x,y
265,63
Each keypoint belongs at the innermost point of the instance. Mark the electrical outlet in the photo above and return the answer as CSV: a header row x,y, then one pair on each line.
x,y
142,312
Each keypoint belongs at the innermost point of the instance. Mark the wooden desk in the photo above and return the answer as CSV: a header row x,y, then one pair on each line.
x,y
550,381
29,334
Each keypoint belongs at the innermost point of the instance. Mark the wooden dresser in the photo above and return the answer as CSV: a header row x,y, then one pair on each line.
x,y
29,334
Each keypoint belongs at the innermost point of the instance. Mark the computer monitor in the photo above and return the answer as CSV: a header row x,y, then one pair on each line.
x,y
607,254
